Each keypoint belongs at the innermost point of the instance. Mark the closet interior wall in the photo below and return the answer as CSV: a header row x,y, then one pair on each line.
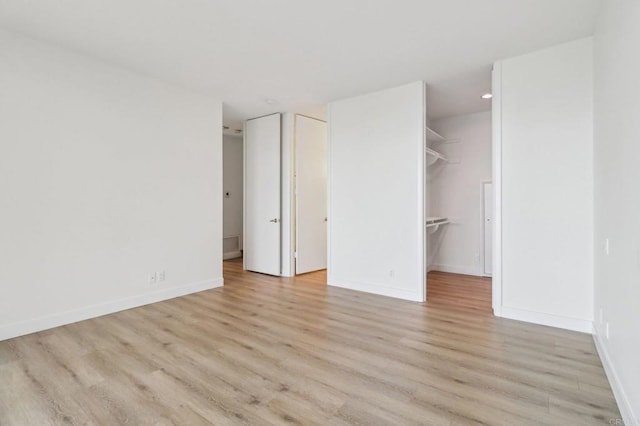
x,y
455,191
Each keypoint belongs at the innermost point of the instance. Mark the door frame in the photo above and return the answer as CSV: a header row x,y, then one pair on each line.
x,y
496,166
484,224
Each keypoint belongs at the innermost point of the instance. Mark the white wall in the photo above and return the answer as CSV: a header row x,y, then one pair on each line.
x,y
456,193
617,200
105,175
546,101
232,184
376,179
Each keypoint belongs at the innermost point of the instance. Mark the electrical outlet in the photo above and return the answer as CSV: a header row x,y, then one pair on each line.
x,y
392,273
161,276
152,278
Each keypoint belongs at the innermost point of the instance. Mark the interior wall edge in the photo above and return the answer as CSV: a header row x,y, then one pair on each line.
x,y
624,402
287,212
496,177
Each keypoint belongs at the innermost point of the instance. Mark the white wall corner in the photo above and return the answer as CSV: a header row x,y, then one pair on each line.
x,y
624,403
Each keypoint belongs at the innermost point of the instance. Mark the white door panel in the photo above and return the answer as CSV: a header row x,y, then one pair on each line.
x,y
262,195
311,194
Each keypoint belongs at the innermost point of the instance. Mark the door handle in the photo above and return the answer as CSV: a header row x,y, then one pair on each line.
x,y
274,220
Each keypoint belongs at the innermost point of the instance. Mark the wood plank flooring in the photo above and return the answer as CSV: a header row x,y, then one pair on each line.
x,y
266,350
459,291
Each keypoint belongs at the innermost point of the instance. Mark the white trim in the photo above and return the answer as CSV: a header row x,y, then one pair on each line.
x,y
244,191
456,269
483,226
16,329
496,160
232,255
422,200
329,190
624,404
287,180
380,290
551,320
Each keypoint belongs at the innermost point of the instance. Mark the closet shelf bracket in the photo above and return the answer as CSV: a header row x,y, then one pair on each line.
x,y
434,156
434,223
433,136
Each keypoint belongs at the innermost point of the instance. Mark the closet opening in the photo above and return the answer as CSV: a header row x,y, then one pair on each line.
x,y
458,207
232,197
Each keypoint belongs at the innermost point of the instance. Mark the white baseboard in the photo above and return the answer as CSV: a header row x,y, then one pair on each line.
x,y
231,255
575,324
453,269
624,404
16,329
378,289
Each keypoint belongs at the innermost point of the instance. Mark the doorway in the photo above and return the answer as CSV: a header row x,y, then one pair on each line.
x,y
310,195
285,182
458,203
232,200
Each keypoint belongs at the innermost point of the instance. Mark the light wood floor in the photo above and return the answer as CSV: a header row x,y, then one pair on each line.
x,y
459,291
265,350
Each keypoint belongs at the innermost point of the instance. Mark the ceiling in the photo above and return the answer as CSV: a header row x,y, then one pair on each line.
x,y
302,54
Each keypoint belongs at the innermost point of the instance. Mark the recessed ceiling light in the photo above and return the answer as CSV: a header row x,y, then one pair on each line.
x,y
487,96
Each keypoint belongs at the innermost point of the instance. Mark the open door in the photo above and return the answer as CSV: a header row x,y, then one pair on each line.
x,y
311,194
262,241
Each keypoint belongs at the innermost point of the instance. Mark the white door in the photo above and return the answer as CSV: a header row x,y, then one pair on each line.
x,y
311,194
262,195
487,192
